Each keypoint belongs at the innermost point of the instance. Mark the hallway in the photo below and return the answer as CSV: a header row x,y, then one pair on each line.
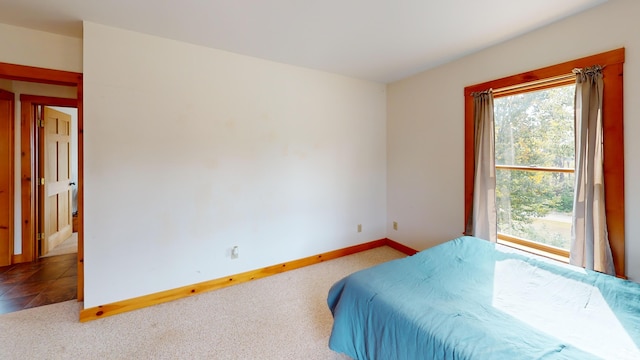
x,y
47,281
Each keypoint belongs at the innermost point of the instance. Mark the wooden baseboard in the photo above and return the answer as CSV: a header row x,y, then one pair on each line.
x,y
402,248
185,291
17,259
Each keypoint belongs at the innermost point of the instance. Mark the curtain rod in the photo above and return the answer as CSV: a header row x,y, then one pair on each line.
x,y
536,84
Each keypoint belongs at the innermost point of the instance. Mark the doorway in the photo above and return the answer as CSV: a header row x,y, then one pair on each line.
x,y
52,275
56,169
27,171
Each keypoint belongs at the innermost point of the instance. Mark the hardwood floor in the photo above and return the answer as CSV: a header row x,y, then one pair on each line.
x,y
47,281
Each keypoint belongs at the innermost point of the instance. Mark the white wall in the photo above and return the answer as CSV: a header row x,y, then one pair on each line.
x,y
190,151
37,48
425,115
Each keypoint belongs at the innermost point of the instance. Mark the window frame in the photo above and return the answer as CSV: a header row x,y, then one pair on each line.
x,y
613,142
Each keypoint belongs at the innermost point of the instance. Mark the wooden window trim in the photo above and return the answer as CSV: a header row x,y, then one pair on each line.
x,y
613,143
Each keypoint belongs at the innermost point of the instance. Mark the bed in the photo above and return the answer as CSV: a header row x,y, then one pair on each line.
x,y
472,299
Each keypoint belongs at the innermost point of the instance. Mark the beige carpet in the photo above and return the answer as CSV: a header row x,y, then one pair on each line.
x,y
284,316
68,246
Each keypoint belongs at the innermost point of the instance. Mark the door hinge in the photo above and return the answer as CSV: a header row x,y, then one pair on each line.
x,y
40,236
41,123
41,181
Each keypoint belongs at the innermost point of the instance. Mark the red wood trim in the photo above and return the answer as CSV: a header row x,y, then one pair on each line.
x,y
469,158
17,259
613,148
6,95
37,74
27,181
49,100
8,178
400,247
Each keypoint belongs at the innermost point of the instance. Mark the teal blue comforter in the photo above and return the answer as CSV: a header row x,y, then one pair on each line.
x,y
471,299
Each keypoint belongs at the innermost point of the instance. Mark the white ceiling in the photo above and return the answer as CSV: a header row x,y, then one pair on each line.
x,y
380,40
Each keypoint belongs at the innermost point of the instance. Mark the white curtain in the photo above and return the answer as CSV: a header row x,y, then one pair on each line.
x,y
482,221
589,240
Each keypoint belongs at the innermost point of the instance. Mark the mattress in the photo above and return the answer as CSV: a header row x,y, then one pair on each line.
x,y
472,299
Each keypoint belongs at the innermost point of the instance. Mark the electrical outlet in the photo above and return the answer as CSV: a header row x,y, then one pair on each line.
x,y
395,225
235,252
359,227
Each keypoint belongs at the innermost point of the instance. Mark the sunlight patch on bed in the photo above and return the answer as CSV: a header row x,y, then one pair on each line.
x,y
554,262
569,310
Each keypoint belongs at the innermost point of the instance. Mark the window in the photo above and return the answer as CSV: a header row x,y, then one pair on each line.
x,y
534,155
534,152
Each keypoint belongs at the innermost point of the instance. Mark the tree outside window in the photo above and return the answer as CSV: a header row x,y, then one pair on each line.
x,y
534,149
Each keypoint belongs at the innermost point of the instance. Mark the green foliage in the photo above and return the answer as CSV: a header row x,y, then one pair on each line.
x,y
534,129
566,199
545,236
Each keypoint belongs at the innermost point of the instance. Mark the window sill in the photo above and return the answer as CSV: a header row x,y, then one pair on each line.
x,y
550,252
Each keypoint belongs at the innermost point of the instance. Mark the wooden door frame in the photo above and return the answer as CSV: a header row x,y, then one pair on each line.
x,y
53,77
10,97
